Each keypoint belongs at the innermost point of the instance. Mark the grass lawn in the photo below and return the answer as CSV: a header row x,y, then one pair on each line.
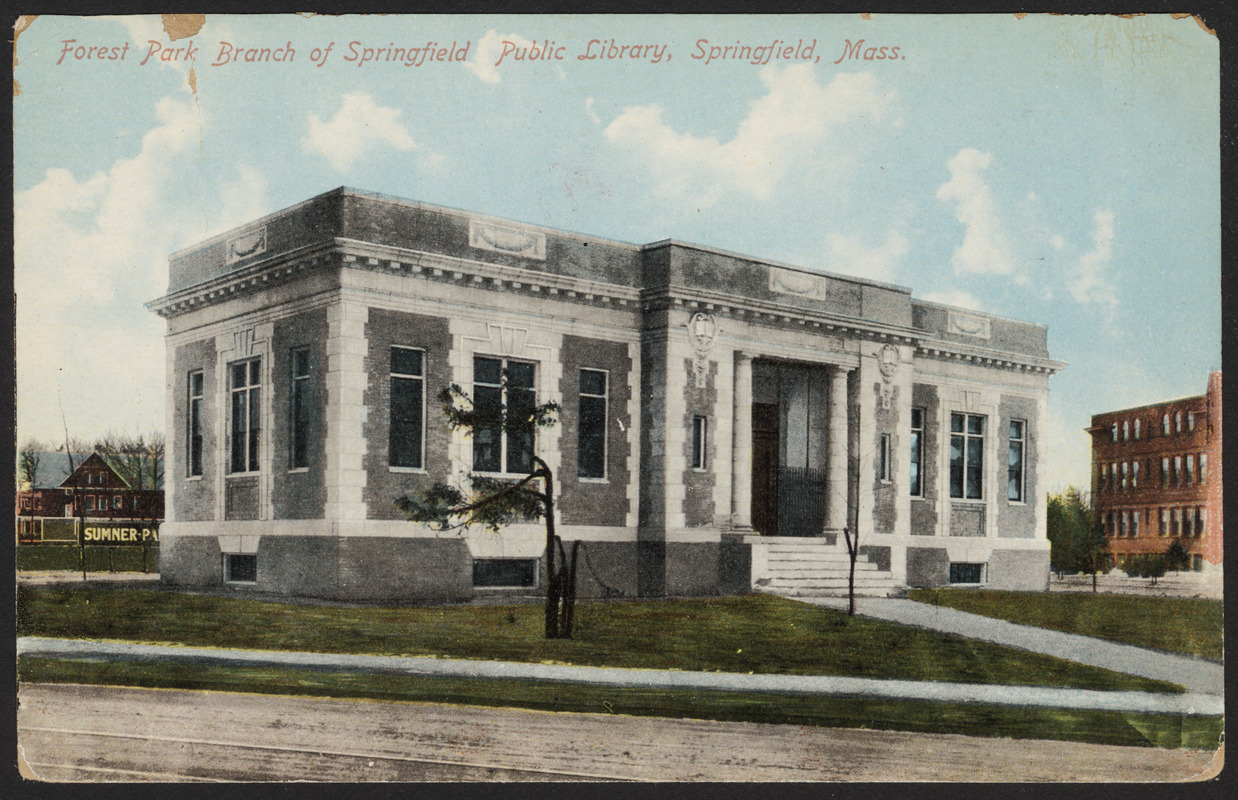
x,y
757,633
1180,625
1099,727
98,559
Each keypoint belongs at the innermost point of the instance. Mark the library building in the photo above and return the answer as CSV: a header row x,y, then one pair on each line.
x,y
723,418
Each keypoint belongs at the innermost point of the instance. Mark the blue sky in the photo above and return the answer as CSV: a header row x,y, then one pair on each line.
x,y
1061,170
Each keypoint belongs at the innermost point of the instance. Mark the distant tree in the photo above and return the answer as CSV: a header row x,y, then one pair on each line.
x,y
1094,552
1146,565
1176,556
495,503
1068,527
137,459
28,459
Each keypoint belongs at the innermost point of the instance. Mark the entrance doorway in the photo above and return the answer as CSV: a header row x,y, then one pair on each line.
x,y
765,442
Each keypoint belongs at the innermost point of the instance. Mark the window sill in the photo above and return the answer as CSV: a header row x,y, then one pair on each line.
x,y
299,471
193,478
406,470
594,481
232,475
968,501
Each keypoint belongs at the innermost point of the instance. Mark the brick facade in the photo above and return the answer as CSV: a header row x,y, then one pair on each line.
x,y
1156,477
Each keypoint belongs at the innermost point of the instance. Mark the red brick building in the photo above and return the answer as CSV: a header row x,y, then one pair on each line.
x,y
1156,476
93,491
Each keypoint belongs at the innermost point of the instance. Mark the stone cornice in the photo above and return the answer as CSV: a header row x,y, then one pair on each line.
x,y
982,356
350,253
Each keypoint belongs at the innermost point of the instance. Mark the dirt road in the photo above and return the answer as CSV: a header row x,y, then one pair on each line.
x,y
94,733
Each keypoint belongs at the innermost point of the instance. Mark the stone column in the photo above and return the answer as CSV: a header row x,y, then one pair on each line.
x,y
836,491
741,450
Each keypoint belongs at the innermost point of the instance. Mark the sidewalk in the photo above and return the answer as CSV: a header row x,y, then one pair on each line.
x,y
1196,674
1026,696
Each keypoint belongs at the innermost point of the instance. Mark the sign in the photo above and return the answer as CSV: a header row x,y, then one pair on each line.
x,y
120,534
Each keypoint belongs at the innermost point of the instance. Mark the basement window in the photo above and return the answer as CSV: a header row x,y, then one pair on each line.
x,y
240,568
965,572
506,573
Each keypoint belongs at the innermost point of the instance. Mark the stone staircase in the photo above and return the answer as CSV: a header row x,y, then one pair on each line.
x,y
810,567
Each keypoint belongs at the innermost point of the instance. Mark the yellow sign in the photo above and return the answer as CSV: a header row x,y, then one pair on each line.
x,y
120,534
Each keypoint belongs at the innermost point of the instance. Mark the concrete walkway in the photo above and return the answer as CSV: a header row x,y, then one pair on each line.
x,y
1025,696
1196,674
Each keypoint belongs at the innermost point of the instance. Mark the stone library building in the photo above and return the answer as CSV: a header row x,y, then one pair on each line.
x,y
722,417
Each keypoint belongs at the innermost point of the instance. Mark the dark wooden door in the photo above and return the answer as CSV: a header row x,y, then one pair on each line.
x,y
765,468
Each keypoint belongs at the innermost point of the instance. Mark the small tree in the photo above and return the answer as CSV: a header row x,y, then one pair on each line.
x,y
1094,553
494,502
28,459
1068,529
1176,556
138,460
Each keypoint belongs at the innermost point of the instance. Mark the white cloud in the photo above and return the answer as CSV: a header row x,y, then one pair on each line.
x,y
955,297
852,256
358,128
782,130
1056,241
87,254
985,248
489,48
1091,283
589,102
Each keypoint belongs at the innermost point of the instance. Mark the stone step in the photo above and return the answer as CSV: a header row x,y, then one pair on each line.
x,y
831,592
797,571
826,583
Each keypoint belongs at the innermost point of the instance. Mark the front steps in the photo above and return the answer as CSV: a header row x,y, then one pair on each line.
x,y
809,567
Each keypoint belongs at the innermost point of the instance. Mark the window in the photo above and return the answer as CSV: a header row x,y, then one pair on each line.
x,y
1202,516
700,441
1177,470
917,451
1189,523
503,390
298,440
1014,460
1197,562
883,458
591,437
966,573
1125,523
1164,472
246,415
1164,528
1135,475
1113,524
1136,428
407,418
117,503
505,572
1115,431
1125,469
1113,476
1190,421
1203,468
90,502
1166,425
1176,526
966,456
1126,430
1178,422
195,424
239,568
1190,469
1134,523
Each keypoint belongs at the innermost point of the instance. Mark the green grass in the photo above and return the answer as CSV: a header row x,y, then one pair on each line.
x,y
760,634
98,559
1100,727
1180,625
